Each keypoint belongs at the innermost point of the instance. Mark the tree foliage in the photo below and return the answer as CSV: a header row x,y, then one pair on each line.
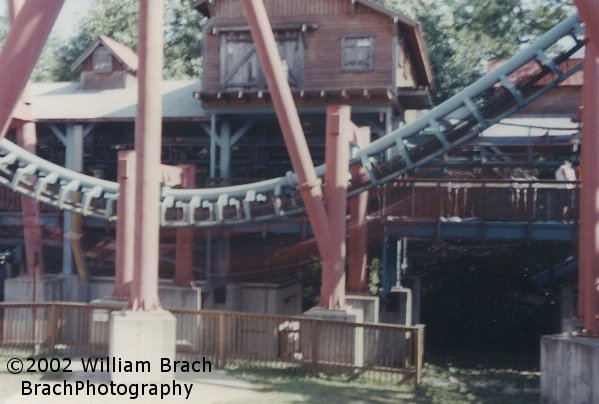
x,y
118,20
462,34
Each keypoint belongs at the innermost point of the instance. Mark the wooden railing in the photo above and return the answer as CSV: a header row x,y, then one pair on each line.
x,y
289,343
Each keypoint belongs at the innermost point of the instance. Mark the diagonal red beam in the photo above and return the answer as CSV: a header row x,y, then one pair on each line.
x,y
24,43
293,134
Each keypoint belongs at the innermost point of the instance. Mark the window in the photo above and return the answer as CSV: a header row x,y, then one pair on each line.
x,y
102,60
240,67
356,54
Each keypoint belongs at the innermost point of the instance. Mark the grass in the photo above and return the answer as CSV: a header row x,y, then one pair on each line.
x,y
440,384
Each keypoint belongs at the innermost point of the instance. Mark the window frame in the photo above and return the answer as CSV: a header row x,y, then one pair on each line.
x,y
353,43
102,52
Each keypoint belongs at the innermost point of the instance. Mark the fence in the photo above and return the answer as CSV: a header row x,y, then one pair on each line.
x,y
501,200
288,343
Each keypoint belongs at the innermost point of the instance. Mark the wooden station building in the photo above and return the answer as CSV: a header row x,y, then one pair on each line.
x,y
351,52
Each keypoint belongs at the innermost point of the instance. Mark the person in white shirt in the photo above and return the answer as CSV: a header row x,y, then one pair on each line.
x,y
566,199
565,172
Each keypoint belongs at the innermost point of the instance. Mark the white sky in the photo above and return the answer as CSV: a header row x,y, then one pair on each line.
x,y
67,19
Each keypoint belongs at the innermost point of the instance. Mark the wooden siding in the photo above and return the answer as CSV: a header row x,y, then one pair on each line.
x,y
322,54
115,79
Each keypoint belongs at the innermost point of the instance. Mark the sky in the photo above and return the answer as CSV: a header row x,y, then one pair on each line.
x,y
67,19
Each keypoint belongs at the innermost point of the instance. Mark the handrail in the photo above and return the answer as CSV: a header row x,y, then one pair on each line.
x,y
453,123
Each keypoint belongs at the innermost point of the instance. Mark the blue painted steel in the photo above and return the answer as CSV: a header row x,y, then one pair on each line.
x,y
276,198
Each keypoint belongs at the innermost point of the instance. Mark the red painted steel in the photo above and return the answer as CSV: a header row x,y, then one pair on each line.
x,y
338,131
291,127
148,141
125,225
22,48
27,139
184,244
32,230
357,277
588,275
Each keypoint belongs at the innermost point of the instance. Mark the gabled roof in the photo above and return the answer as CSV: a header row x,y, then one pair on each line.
x,y
410,28
123,53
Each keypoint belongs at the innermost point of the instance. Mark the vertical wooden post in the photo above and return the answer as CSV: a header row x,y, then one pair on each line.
x,y
221,339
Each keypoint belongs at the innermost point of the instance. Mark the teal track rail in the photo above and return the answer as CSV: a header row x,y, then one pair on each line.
x,y
453,123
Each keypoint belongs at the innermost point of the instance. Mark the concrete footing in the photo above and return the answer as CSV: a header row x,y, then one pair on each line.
x,y
352,347
569,369
139,338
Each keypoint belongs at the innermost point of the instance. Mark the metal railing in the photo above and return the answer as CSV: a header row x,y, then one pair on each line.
x,y
495,200
453,123
288,343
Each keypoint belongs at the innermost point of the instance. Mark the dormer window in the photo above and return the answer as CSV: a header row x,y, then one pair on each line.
x,y
102,60
356,54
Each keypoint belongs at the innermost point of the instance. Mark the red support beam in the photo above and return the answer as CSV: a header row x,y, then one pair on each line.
x,y
357,276
27,139
148,141
22,48
125,225
338,131
293,134
184,243
588,274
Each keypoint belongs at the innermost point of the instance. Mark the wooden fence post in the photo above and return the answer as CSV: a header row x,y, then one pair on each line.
x,y
418,352
222,338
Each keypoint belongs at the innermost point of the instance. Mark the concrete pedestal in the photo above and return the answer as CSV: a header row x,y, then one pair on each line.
x,y
172,297
146,336
365,307
397,307
569,369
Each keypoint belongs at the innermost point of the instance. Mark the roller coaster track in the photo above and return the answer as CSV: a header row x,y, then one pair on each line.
x,y
454,122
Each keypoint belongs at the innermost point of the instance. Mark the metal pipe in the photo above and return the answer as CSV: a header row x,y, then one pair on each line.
x,y
148,140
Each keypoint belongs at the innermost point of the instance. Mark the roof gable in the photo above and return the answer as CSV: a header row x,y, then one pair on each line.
x,y
121,52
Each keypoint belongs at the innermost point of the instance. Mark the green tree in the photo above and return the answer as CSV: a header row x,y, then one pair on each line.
x,y
118,20
461,35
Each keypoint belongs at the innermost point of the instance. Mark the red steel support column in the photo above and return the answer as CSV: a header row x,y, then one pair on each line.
x,y
32,231
27,139
357,277
184,243
293,134
148,132
22,48
125,225
338,129
588,274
